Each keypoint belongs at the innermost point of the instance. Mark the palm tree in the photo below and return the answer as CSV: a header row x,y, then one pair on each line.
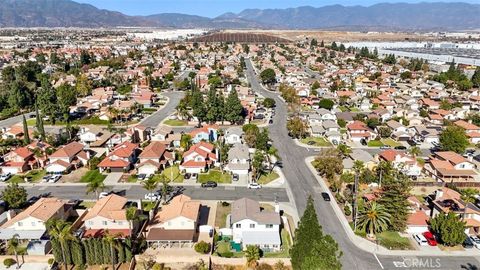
x,y
12,245
414,151
95,186
113,112
150,184
131,214
61,231
344,149
358,166
112,242
165,188
253,255
373,218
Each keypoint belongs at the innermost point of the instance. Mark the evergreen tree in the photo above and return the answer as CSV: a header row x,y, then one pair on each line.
x,y
322,44
39,123
57,250
99,259
198,106
233,108
26,135
106,251
88,252
213,109
476,77
78,254
449,227
121,253
396,190
311,248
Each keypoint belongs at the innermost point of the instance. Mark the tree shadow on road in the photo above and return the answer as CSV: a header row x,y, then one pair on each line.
x,y
470,266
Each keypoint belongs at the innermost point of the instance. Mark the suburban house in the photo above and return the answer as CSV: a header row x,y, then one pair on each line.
x,y
68,157
233,135
19,160
472,131
449,167
108,213
154,158
207,133
176,222
252,226
94,136
400,160
358,130
199,158
359,155
121,158
161,134
30,224
238,159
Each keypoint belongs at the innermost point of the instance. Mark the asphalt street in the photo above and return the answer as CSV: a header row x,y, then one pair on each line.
x,y
157,117
14,120
302,184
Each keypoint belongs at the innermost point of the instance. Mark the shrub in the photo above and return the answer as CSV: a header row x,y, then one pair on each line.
x,y
202,247
51,261
225,204
226,254
264,266
347,211
9,262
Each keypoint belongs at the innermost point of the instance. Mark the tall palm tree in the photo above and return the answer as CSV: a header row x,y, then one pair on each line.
x,y
61,231
113,112
95,186
415,151
131,214
150,184
373,218
12,246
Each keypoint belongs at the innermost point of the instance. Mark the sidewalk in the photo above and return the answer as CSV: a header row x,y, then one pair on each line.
x,y
371,247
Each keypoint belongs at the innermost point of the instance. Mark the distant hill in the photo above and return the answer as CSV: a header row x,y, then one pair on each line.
x,y
399,16
421,16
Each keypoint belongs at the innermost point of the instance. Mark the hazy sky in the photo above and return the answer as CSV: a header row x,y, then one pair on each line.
x,y
213,8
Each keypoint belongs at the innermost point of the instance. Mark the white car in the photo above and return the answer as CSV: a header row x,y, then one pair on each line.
x,y
420,239
103,194
54,178
475,240
254,186
5,177
152,196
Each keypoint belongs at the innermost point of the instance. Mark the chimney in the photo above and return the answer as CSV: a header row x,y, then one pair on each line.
x,y
277,208
438,193
10,214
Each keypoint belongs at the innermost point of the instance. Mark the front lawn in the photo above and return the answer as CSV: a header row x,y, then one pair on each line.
x,y
267,178
92,176
34,176
375,143
316,141
216,176
175,122
173,173
391,142
223,209
284,253
393,240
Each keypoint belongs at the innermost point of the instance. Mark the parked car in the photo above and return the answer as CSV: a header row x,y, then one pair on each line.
x,y
310,142
475,240
152,196
420,239
46,178
54,178
235,177
254,186
104,194
363,142
141,176
385,147
430,238
270,121
468,243
187,176
209,184
400,147
194,176
326,196
5,177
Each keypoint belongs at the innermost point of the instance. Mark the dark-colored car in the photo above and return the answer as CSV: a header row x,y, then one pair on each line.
x,y
235,177
325,196
467,243
400,147
209,184
363,142
187,176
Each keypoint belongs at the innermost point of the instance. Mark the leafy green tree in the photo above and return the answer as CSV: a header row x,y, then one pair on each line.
x,y
198,106
13,245
252,254
449,228
251,132
257,164
328,163
233,108
26,135
296,128
95,186
268,76
476,78
14,195
312,249
66,97
326,103
269,102
414,151
61,231
151,184
454,138
113,245
214,111
373,218
406,75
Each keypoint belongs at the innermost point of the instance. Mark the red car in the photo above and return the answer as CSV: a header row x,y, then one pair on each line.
x,y
430,238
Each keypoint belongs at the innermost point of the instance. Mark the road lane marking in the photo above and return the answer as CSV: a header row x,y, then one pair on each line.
x,y
375,255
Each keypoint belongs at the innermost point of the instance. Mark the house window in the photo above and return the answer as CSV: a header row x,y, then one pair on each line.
x,y
252,226
33,223
104,223
90,222
183,223
169,223
269,226
20,224
120,223
238,225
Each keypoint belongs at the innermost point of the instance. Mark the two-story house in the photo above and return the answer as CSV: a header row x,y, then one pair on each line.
x,y
94,136
153,158
68,157
233,135
400,160
17,161
207,133
449,167
108,214
199,158
176,222
238,160
121,158
358,131
251,226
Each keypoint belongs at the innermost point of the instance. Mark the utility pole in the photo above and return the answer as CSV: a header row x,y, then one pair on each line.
x,y
355,187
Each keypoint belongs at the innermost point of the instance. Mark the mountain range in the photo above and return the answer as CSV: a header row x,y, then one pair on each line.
x,y
399,16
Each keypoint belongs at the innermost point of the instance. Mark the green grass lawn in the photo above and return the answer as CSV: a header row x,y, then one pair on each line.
x,y
286,244
173,172
319,141
392,240
390,142
221,215
375,143
34,176
132,178
267,178
92,176
87,204
87,121
216,176
175,122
